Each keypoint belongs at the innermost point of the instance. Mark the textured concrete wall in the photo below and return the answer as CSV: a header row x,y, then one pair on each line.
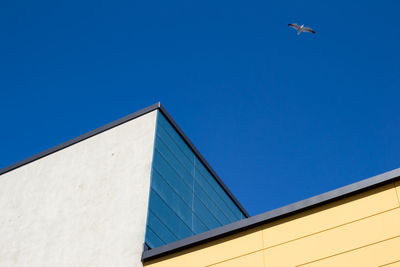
x,y
363,230
85,205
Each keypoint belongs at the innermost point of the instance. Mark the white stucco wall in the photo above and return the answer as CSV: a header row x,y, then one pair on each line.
x,y
85,205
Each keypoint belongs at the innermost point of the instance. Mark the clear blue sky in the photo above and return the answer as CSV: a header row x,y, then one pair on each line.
x,y
280,117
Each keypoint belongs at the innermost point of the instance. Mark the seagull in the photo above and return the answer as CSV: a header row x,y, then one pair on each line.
x,y
301,28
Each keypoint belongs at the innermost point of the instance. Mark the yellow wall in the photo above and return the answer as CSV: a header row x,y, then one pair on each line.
x,y
363,230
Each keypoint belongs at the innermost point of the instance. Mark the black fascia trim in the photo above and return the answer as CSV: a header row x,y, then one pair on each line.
x,y
121,121
203,160
273,215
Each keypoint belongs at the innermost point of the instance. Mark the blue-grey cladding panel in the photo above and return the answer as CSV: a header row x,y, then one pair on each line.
x,y
185,199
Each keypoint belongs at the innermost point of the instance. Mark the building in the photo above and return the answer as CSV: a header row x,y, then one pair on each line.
x,y
137,192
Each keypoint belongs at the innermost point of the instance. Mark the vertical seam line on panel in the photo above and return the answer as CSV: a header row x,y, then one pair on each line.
x,y
174,212
194,171
211,212
218,196
397,194
192,189
262,246
151,172
221,200
197,154
165,180
350,250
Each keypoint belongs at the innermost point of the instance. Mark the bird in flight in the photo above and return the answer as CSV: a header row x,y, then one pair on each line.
x,y
301,28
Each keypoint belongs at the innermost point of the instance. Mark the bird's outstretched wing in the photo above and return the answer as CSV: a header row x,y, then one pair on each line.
x,y
308,30
294,25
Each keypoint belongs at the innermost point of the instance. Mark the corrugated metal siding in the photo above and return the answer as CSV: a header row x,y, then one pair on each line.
x,y
185,199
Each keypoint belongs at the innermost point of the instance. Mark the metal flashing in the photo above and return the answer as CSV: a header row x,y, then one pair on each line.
x,y
273,215
115,123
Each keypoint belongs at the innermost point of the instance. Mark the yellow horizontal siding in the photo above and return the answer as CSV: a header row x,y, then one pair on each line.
x,y
337,240
251,260
397,185
369,256
331,215
338,234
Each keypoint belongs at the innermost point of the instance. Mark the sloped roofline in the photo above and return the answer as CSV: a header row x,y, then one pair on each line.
x,y
273,215
113,124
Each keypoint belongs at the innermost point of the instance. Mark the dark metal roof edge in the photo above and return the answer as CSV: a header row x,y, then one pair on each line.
x,y
203,160
116,123
252,222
